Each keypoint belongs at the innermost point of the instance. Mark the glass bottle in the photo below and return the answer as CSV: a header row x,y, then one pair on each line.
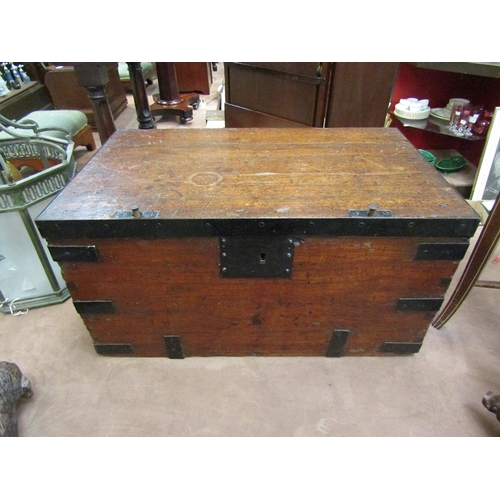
x,y
464,120
4,90
475,113
455,114
23,74
482,123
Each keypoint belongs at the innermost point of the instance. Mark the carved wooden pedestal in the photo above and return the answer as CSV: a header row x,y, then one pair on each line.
x,y
169,101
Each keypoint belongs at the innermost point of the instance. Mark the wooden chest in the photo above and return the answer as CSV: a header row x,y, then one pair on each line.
x,y
239,242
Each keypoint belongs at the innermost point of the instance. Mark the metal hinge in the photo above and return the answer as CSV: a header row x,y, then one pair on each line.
x,y
401,347
74,253
337,343
373,211
173,346
135,213
114,349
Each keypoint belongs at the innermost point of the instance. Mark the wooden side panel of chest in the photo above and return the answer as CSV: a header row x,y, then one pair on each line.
x,y
345,296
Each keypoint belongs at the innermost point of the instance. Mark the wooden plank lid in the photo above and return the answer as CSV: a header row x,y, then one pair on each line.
x,y
190,178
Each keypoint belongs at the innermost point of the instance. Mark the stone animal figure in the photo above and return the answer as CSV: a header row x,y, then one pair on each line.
x,y
492,403
13,386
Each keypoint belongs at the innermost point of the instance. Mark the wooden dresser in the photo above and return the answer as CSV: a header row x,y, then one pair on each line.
x,y
297,94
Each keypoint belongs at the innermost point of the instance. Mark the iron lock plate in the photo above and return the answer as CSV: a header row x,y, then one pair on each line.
x,y
256,256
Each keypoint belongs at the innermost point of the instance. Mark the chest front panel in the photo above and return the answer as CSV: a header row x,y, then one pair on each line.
x,y
175,287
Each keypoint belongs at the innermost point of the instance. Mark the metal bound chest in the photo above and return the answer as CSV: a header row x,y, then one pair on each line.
x,y
239,242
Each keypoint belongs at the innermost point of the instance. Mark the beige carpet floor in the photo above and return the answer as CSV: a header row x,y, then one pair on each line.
x,y
434,393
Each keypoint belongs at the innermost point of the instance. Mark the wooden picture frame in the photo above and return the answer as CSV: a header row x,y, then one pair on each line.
x,y
487,182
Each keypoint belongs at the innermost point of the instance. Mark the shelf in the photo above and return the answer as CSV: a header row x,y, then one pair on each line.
x,y
17,92
30,97
462,180
436,126
488,69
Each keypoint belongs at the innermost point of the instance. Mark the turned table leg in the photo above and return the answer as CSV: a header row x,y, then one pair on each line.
x,y
144,116
94,77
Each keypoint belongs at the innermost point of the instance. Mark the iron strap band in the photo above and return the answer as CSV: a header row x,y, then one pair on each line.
x,y
182,228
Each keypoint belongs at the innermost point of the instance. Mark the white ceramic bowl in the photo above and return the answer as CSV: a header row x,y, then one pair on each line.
x,y
412,115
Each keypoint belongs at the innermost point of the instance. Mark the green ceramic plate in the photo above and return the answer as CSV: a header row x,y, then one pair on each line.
x,y
428,156
451,164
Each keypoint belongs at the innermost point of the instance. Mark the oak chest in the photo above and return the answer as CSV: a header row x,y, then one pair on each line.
x,y
239,242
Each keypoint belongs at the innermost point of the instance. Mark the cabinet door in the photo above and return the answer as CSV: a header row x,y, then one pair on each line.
x,y
276,94
194,77
361,93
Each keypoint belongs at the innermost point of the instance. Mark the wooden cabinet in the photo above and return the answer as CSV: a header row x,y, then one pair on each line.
x,y
361,94
439,82
276,94
308,94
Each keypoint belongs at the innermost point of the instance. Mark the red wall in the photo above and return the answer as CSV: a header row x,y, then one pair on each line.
x,y
439,87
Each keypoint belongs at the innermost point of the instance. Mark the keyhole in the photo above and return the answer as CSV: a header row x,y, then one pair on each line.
x,y
262,258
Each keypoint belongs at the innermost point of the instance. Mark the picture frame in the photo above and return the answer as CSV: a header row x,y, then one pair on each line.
x,y
487,182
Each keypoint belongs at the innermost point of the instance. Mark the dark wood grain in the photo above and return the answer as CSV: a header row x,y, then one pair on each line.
x,y
361,94
239,117
167,82
291,92
194,77
328,94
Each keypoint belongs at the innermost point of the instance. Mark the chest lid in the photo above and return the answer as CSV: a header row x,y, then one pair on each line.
x,y
202,182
